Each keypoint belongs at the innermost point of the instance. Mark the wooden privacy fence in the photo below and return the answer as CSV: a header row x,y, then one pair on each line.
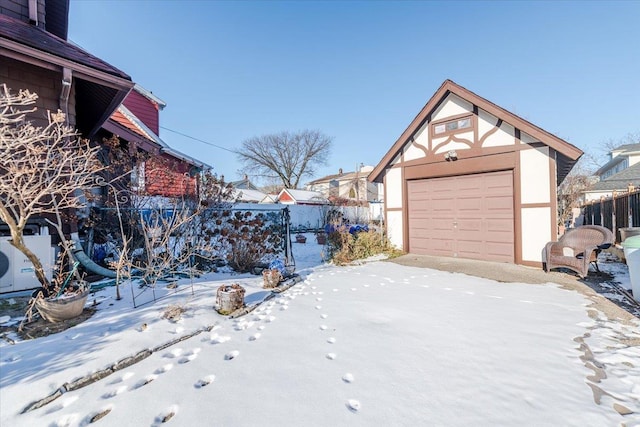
x,y
619,211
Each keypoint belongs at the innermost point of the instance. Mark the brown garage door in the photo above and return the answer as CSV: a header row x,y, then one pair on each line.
x,y
469,216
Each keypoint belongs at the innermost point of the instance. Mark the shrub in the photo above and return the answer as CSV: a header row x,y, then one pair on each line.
x,y
345,246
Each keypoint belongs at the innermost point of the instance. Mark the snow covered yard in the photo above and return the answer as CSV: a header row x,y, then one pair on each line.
x,y
375,344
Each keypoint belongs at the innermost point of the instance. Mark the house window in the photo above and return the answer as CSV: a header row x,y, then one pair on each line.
x,y
452,126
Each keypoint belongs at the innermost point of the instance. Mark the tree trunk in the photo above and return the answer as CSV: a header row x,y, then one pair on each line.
x,y
17,241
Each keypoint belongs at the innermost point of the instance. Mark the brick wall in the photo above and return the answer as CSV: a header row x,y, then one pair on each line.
x,y
46,83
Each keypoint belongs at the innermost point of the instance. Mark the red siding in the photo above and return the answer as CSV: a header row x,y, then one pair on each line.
x,y
144,109
168,177
286,197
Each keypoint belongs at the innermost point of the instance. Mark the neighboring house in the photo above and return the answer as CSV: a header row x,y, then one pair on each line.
x,y
470,179
352,186
35,55
168,172
244,184
619,174
244,191
301,197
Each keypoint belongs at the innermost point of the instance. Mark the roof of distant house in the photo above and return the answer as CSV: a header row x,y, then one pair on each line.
x,y
622,152
343,176
304,196
619,181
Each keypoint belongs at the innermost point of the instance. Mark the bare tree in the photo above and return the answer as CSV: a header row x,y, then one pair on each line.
x,y
285,155
43,170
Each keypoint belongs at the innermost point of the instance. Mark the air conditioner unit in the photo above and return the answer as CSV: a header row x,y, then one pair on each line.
x,y
16,271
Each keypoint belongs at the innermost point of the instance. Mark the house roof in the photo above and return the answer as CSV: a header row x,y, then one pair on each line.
x,y
619,181
15,30
568,154
150,96
304,196
244,184
622,152
125,118
246,195
340,177
100,87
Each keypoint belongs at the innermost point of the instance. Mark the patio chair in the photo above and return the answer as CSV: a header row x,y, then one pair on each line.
x,y
577,248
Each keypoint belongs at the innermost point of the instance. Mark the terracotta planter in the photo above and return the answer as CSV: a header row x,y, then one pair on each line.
x,y
229,298
301,239
321,239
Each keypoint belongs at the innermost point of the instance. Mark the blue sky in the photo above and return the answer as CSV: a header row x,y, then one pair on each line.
x,y
361,71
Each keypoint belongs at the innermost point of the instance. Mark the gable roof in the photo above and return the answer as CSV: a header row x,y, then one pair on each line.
x,y
622,152
100,87
129,121
19,32
304,196
568,154
345,176
619,181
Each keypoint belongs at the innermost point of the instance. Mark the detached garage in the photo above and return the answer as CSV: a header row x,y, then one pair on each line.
x,y
469,179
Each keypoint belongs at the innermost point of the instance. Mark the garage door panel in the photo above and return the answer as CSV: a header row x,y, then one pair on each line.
x,y
469,216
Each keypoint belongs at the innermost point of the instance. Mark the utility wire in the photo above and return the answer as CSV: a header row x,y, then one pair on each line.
x,y
199,140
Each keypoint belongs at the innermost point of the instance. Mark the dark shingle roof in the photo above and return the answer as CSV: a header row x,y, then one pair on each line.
x,y
37,38
621,180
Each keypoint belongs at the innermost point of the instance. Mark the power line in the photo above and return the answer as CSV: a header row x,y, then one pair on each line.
x,y
199,140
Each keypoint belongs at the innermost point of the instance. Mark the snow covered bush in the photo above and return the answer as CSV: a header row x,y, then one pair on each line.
x,y
348,243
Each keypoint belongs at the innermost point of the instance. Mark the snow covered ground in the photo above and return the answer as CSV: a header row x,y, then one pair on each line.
x,y
374,344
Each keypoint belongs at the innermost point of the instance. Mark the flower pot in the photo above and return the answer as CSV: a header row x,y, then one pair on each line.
x,y
301,239
64,307
229,298
321,239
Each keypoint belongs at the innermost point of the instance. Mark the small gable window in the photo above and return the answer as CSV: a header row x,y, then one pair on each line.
x,y
452,126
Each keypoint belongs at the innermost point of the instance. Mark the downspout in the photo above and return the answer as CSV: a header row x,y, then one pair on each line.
x,y
33,12
67,78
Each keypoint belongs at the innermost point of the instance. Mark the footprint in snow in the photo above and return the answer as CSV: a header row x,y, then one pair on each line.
x,y
318,299
354,289
255,336
318,307
331,356
167,415
353,405
220,339
124,377
331,340
115,392
178,330
284,307
231,355
347,378
324,316
90,419
202,382
335,290
323,327
144,381
189,356
261,327
164,368
270,319
176,352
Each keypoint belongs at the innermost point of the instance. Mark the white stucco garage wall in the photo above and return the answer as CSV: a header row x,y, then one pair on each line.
x,y
395,228
536,232
534,175
393,188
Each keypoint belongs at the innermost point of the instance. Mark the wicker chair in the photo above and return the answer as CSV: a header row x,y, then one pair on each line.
x,y
577,248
